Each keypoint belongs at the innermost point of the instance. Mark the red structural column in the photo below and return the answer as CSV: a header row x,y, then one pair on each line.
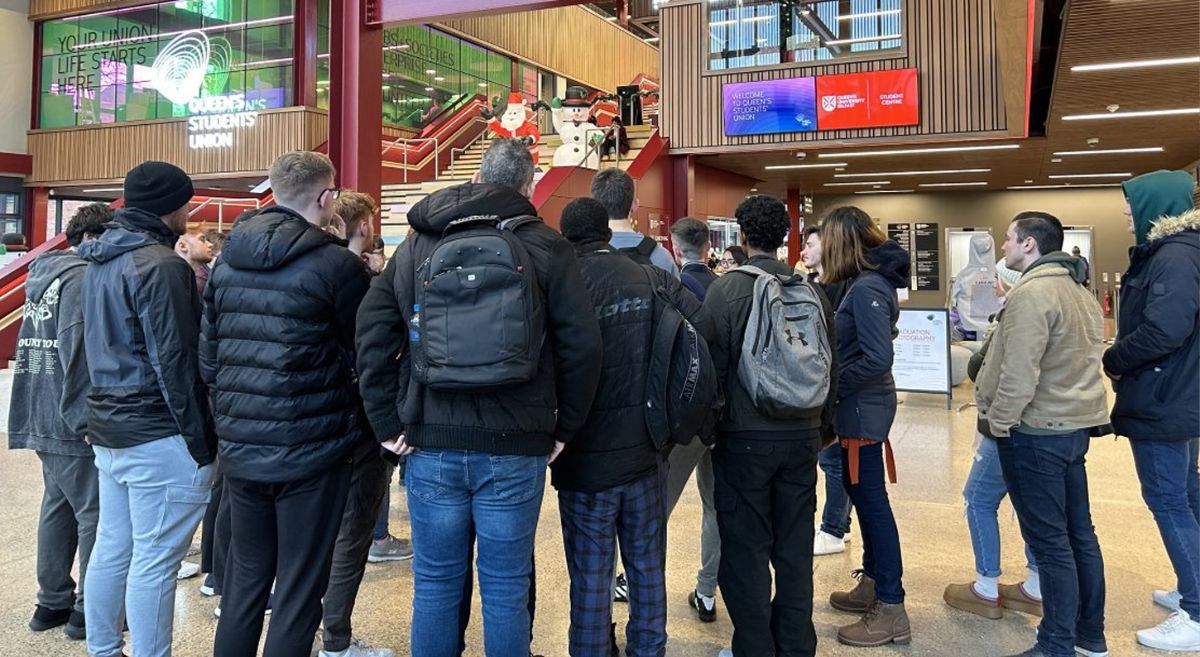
x,y
683,185
304,58
355,97
793,205
623,13
39,213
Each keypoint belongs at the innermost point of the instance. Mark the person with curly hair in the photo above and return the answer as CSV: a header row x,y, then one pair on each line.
x,y
765,468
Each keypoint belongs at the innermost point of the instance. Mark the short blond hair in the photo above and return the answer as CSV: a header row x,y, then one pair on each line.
x,y
298,174
354,208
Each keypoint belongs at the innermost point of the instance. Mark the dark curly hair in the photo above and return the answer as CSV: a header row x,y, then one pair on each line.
x,y
88,220
764,222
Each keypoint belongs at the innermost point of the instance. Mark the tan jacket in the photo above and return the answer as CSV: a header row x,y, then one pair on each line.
x,y
1043,365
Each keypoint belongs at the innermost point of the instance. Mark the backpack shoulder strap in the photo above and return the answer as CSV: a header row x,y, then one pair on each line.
x,y
647,246
513,223
751,270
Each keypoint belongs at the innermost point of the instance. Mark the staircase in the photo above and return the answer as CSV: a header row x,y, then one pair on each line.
x,y
398,199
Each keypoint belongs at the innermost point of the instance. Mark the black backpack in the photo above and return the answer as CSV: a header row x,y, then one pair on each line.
x,y
642,252
681,385
478,319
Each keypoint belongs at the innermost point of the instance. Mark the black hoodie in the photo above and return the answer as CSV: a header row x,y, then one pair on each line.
x,y
48,409
276,349
523,420
141,336
866,325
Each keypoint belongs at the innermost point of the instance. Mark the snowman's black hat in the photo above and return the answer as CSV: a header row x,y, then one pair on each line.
x,y
576,97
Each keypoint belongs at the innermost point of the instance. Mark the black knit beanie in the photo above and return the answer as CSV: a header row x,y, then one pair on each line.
x,y
159,188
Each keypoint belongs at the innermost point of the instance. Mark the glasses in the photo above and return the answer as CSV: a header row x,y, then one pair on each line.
x,y
333,192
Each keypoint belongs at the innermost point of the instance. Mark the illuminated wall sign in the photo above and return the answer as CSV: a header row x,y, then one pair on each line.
x,y
179,72
829,102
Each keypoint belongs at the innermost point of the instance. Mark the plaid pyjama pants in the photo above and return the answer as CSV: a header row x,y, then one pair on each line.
x,y
635,515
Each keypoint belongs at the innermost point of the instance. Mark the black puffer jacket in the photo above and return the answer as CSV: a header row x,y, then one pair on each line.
x,y
613,447
140,334
525,419
276,349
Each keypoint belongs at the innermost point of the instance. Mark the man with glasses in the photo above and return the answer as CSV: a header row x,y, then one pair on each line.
x,y
277,353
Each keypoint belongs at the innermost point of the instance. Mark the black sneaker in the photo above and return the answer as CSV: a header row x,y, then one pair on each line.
x,y
621,589
45,618
613,649
706,608
76,628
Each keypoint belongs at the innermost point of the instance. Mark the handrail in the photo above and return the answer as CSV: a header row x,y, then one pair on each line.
x,y
221,203
12,317
596,145
415,140
460,151
19,286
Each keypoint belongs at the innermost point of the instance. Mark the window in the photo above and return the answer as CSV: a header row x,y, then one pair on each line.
x,y
765,32
100,68
10,211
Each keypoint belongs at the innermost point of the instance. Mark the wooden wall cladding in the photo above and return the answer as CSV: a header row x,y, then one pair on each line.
x,y
95,153
951,43
40,10
571,41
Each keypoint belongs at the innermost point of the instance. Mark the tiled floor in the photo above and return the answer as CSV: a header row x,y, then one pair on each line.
x,y
933,451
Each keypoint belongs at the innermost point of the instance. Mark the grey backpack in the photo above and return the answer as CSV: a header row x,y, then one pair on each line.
x,y
786,356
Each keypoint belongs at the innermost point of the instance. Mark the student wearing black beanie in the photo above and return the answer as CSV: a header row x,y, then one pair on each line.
x,y
148,419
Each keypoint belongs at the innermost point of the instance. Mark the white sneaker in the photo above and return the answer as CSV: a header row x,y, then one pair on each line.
x,y
1178,633
187,570
1084,652
359,648
1168,599
827,544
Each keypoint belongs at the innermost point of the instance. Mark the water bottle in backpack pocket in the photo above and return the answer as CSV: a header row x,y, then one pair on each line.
x,y
786,357
479,321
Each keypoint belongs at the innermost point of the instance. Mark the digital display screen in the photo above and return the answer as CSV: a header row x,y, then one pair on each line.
x,y
759,108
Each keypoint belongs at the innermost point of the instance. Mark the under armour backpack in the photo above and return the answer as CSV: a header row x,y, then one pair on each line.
x,y
786,357
478,319
681,385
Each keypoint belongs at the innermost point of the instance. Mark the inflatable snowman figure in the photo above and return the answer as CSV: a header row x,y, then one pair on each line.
x,y
514,122
578,134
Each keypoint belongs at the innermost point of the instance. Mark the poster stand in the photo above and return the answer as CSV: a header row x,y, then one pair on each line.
x,y
921,361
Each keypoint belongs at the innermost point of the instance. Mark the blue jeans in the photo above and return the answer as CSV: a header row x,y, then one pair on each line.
x,y
983,493
152,498
1047,482
449,492
835,518
880,537
1171,488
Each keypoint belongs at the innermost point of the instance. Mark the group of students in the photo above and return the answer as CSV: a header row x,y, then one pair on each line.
x,y
492,346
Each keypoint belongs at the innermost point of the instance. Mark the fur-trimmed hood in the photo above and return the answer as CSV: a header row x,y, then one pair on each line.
x,y
1168,226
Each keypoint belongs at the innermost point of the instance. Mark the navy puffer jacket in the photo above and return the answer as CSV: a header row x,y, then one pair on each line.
x,y
277,348
865,324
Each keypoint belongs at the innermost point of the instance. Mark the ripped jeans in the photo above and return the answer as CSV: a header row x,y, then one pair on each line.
x,y
983,493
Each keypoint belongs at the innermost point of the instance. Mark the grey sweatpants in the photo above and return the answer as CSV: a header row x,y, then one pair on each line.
x,y
70,511
683,460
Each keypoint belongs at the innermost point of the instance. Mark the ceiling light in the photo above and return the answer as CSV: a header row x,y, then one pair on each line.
x,y
428,88
482,85
387,75
828,165
842,42
1055,160
1139,63
1131,115
918,151
754,189
1064,186
1090,175
1113,151
885,191
859,184
930,172
869,14
956,184
430,71
439,79
102,189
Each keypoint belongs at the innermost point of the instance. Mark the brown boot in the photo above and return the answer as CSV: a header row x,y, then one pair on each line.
x,y
1013,596
964,597
881,625
859,599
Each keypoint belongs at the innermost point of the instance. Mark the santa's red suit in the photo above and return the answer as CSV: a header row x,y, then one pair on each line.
x,y
526,130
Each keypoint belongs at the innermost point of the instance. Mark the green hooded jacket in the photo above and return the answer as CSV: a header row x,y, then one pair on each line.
x,y
1155,195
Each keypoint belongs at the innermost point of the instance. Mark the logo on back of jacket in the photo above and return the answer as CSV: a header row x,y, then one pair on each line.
x,y
36,312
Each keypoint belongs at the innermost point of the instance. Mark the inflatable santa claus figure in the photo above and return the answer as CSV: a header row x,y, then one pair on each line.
x,y
514,122
571,115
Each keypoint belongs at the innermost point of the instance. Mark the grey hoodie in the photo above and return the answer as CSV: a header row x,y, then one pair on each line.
x,y
48,409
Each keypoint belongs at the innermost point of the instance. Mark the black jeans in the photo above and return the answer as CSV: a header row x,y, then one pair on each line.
x,y
214,537
1047,483
368,481
882,560
282,532
765,494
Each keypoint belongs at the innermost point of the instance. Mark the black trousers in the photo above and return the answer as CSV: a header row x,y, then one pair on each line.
x,y
765,495
282,532
368,481
214,537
